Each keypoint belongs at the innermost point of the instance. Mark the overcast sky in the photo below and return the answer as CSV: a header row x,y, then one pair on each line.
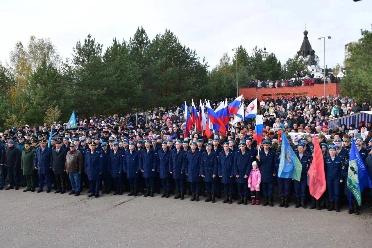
x,y
209,27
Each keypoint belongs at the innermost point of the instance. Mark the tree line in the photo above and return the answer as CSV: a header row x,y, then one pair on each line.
x,y
38,86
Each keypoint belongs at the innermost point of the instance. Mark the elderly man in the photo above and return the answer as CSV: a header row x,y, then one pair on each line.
x,y
74,166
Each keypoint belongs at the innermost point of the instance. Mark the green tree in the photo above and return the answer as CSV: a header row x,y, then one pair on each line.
x,y
358,80
293,66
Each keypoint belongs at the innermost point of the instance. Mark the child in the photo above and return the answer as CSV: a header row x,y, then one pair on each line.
x,y
254,181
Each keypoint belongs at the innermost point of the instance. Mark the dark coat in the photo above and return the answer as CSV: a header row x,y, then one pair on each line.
x,y
132,164
268,166
148,163
193,161
225,167
209,166
333,168
58,160
116,164
12,157
163,169
105,163
27,162
43,160
305,162
242,166
92,165
178,163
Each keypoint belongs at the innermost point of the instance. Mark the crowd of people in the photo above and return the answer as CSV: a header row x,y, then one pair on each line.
x,y
293,82
148,153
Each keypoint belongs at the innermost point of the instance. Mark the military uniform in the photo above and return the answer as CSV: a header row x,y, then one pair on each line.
x,y
177,168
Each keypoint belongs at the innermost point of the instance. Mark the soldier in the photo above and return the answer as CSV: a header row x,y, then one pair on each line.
x,y
43,160
132,167
93,169
2,162
242,168
116,166
58,166
177,169
74,167
27,165
267,163
148,168
225,171
193,159
208,171
163,169
12,158
300,187
106,168
333,164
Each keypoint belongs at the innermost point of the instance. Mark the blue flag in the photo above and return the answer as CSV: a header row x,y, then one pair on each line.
x,y
50,137
289,165
72,123
357,179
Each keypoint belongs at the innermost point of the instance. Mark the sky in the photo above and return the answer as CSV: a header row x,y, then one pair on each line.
x,y
211,28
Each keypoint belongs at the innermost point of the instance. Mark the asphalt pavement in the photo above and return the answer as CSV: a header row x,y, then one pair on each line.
x,y
54,220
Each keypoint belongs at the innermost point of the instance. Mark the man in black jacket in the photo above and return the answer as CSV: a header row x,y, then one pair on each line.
x,y
58,166
12,158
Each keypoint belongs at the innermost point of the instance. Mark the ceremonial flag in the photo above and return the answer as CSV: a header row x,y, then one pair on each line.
x,y
259,128
188,120
251,110
72,123
357,176
233,107
289,165
203,118
222,112
316,174
218,125
208,132
239,116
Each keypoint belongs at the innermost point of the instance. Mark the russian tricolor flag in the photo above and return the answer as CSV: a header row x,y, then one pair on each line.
x,y
218,125
259,128
233,107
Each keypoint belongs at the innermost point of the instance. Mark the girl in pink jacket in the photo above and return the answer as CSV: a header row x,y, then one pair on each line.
x,y
254,181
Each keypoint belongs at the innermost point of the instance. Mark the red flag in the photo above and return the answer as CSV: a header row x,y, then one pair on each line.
x,y
317,181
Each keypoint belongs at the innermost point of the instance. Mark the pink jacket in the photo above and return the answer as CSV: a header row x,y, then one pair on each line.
x,y
254,180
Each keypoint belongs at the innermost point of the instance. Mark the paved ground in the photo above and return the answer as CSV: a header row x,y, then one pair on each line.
x,y
50,220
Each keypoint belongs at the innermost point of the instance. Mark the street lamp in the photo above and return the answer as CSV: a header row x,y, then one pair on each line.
x,y
236,71
324,64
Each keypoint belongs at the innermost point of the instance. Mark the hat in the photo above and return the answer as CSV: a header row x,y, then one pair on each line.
x,y
301,143
193,143
266,142
164,143
242,143
209,144
331,147
103,144
200,140
115,143
11,142
324,145
58,141
185,141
